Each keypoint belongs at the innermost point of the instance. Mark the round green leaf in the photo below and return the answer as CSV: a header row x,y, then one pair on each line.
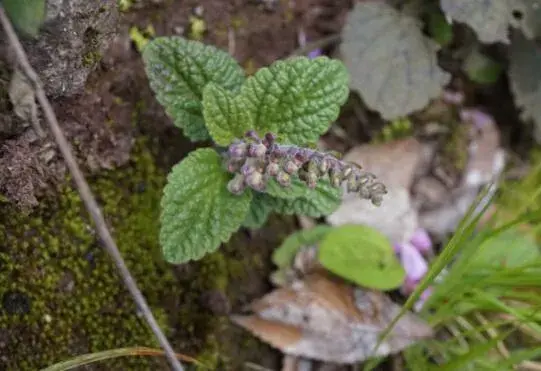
x,y
198,212
363,255
283,256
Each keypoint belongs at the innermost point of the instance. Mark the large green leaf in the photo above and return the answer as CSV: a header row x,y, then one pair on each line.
x,y
179,69
362,255
322,200
259,212
296,98
26,15
393,66
297,189
225,115
198,212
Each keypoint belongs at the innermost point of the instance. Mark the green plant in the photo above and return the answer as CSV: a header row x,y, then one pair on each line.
x,y
26,15
257,124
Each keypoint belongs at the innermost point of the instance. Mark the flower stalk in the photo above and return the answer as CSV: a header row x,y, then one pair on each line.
x,y
255,161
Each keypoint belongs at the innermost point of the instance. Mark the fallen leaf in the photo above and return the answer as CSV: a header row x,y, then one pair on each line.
x,y
395,217
392,65
362,255
325,319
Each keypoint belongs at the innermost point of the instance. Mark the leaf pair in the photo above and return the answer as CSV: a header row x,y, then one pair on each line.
x,y
205,91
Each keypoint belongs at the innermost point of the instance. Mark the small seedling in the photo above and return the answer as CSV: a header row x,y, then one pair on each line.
x,y
264,128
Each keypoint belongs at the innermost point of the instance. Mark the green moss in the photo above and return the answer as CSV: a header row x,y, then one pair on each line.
x,y
77,304
91,58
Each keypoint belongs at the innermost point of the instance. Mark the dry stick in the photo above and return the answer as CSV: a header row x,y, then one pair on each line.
x,y
85,192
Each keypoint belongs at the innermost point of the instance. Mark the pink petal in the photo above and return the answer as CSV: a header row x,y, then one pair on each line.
x,y
413,262
421,240
397,248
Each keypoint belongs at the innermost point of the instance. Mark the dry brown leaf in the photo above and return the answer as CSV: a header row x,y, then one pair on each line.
x,y
325,319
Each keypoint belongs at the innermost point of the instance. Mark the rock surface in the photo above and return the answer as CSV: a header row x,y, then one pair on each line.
x,y
71,42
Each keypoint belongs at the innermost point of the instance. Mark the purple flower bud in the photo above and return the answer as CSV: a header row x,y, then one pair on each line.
x,y
257,150
256,181
335,178
311,180
238,150
346,171
324,165
283,178
413,262
269,140
236,185
248,168
290,167
421,240
251,134
352,184
272,169
376,199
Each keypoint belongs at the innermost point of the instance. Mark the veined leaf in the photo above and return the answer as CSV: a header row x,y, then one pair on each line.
x,y
225,114
198,212
322,200
295,190
258,213
393,66
297,98
179,69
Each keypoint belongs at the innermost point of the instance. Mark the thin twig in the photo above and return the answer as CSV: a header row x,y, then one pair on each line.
x,y
321,43
85,192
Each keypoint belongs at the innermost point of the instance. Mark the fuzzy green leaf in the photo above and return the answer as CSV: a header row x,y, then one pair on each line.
x,y
26,15
322,200
225,115
363,255
198,212
295,190
259,212
296,98
283,256
393,65
179,69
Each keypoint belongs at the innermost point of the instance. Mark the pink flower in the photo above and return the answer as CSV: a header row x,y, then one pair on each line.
x,y
478,118
413,262
421,240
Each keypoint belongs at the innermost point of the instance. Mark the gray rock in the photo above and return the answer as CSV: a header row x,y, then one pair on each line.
x,y
71,42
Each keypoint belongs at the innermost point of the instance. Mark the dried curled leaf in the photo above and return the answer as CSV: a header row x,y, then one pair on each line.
x,y
325,319
525,79
392,65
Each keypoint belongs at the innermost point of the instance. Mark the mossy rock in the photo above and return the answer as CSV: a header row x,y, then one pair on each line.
x,y
60,295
